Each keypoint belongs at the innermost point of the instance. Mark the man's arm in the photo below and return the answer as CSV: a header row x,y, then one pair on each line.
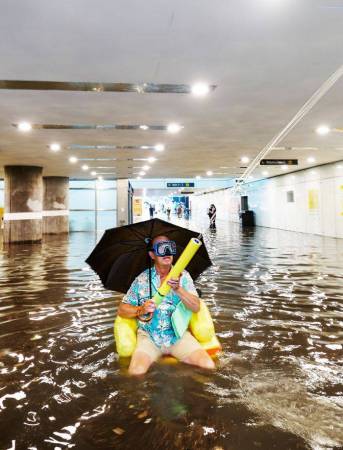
x,y
129,311
190,300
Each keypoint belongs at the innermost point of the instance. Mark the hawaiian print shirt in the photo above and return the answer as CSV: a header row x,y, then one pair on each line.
x,y
160,328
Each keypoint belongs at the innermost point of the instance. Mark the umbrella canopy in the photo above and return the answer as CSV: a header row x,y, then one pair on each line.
x,y
122,253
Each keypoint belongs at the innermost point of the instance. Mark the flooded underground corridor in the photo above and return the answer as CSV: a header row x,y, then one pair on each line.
x,y
276,298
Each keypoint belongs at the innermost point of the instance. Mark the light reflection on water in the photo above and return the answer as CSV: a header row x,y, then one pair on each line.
x,y
276,298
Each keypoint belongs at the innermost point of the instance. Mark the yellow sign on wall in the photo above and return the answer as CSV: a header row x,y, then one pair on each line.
x,y
137,206
313,199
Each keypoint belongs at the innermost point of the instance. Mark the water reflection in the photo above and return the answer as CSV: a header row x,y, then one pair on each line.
x,y
276,298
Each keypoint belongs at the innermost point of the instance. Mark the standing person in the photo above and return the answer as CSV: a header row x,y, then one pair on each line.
x,y
157,337
179,212
151,211
168,212
212,213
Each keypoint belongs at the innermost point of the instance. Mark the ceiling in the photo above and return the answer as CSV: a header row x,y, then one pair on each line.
x,y
266,57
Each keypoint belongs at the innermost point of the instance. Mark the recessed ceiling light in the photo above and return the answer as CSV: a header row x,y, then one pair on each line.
x,y
323,129
159,147
73,159
100,178
144,127
93,173
146,167
200,89
339,166
173,128
311,159
138,178
245,159
198,177
265,173
55,147
284,167
209,173
142,173
24,126
84,167
151,159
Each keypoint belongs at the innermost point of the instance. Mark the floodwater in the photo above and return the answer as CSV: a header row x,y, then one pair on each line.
x,y
277,301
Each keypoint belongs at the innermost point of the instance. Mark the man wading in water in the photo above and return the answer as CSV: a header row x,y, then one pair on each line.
x,y
156,337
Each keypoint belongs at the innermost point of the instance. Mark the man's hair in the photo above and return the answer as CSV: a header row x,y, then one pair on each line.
x,y
160,237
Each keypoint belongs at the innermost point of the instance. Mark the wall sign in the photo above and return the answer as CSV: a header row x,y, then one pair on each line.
x,y
172,185
279,162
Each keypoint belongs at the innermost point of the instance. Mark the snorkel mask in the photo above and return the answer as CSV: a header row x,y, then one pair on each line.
x,y
164,248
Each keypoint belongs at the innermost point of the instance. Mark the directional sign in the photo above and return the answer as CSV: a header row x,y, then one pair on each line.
x,y
172,185
279,162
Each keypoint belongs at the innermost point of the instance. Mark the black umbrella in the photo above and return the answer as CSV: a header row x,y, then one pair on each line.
x,y
122,253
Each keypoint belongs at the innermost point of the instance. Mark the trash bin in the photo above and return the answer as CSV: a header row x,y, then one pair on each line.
x,y
247,218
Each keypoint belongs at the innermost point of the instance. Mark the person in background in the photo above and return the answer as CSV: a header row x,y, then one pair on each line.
x,y
151,211
168,212
212,212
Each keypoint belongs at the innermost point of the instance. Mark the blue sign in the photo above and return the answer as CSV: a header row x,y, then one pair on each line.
x,y
173,185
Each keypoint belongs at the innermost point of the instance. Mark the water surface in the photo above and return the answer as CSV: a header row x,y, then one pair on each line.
x,y
277,301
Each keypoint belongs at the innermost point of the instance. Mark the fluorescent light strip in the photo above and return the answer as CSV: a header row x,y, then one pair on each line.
x,y
111,147
139,88
52,126
99,159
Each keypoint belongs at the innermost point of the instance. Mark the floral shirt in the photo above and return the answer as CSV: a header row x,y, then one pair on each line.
x,y
160,327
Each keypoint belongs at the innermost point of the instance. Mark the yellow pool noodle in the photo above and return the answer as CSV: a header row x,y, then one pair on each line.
x,y
186,256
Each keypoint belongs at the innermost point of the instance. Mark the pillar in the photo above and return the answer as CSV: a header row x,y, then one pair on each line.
x,y
124,202
23,204
55,205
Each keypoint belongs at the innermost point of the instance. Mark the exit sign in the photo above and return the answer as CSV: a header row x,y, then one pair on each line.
x,y
279,162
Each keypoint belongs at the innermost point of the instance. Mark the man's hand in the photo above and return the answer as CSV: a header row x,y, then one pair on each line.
x,y
148,307
174,283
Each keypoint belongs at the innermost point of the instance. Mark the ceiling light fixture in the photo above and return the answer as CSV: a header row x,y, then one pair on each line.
x,y
142,173
73,159
284,167
200,89
146,167
209,173
24,126
93,173
144,127
265,173
55,147
245,159
323,130
311,159
151,159
174,128
198,177
100,178
84,167
138,178
159,147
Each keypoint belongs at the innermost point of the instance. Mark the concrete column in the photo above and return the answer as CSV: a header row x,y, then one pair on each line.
x,y
23,204
55,205
124,202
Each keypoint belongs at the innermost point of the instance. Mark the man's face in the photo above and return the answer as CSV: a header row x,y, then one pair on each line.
x,y
161,261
